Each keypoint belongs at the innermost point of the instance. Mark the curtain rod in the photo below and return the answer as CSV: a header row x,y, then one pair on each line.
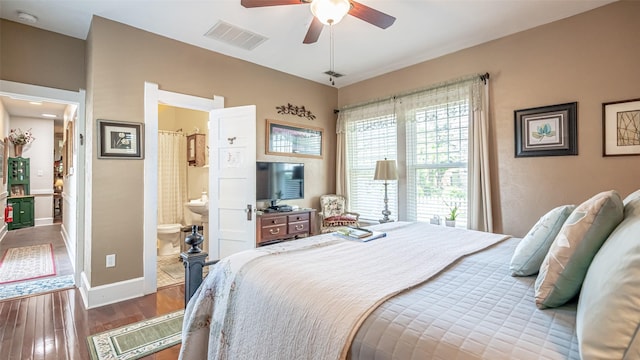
x,y
484,77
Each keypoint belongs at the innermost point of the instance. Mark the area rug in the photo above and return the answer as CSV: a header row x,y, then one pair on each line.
x,y
40,286
137,340
27,263
175,270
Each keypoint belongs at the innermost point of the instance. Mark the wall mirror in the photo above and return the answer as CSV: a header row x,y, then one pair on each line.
x,y
289,139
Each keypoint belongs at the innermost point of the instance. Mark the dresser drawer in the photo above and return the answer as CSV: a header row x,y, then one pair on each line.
x,y
298,227
273,220
283,226
298,217
273,232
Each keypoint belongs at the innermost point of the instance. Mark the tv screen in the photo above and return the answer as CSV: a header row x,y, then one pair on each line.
x,y
279,181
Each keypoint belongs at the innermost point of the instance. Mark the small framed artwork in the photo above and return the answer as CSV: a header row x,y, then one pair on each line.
x,y
17,190
4,152
547,130
621,128
68,149
293,140
120,140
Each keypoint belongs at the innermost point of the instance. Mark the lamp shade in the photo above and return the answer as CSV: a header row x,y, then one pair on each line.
x,y
330,12
386,170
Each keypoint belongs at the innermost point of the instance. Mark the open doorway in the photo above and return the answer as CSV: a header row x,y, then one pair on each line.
x,y
44,171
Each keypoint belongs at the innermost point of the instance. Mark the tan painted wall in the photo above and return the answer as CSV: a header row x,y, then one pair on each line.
x,y
589,58
33,56
122,58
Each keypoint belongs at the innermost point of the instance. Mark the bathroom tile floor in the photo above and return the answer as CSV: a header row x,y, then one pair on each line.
x,y
170,270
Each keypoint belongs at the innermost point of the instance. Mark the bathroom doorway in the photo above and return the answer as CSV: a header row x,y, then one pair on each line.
x,y
230,220
182,177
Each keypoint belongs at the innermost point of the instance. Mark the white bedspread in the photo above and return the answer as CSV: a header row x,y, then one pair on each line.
x,y
307,298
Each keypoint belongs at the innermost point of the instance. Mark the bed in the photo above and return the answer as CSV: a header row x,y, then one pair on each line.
x,y
327,297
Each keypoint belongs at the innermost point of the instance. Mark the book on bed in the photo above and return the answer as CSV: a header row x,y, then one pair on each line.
x,y
356,233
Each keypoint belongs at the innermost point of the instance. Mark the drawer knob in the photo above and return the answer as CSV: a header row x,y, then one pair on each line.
x,y
274,231
299,227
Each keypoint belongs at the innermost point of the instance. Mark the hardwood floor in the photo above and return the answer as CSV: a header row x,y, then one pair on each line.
x,y
56,325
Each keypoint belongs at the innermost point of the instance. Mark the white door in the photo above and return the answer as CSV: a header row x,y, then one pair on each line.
x,y
232,180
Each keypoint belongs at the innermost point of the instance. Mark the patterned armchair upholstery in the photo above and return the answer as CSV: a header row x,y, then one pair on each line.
x,y
333,213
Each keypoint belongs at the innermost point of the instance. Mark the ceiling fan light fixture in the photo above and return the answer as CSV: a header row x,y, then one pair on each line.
x,y
330,12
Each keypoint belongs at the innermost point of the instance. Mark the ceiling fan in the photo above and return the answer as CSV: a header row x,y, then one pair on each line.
x,y
329,12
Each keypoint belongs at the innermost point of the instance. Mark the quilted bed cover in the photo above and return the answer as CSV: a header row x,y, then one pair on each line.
x,y
473,310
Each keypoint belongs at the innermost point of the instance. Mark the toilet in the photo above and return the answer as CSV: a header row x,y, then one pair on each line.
x,y
168,239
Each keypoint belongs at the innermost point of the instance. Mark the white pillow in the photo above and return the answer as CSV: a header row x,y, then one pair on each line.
x,y
532,249
608,316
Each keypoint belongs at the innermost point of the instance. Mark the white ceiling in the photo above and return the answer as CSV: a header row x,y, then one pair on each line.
x,y
424,29
22,107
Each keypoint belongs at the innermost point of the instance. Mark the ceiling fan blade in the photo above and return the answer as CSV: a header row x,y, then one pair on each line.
x,y
314,31
261,3
370,15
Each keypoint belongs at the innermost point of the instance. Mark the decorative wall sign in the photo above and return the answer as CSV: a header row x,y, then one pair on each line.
x,y
621,128
547,130
295,110
293,140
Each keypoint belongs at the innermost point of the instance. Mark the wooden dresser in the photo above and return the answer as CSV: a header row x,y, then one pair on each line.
x,y
274,227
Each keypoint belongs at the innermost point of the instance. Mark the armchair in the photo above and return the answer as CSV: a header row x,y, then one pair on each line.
x,y
333,214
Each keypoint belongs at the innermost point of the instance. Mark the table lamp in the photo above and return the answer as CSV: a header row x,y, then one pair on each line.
x,y
386,170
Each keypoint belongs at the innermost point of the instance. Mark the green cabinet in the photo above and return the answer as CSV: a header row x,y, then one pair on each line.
x,y
19,193
18,176
22,212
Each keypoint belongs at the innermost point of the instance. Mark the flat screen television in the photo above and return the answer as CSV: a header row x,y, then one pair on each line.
x,y
279,181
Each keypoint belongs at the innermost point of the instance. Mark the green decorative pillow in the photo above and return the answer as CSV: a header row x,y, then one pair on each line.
x,y
565,265
608,316
532,249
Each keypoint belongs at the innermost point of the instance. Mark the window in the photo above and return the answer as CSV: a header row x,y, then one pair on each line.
x,y
437,160
370,140
427,132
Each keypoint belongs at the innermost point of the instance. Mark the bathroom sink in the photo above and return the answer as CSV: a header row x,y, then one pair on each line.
x,y
199,207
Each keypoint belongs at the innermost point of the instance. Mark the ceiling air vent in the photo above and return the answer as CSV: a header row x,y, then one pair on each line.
x,y
333,73
235,36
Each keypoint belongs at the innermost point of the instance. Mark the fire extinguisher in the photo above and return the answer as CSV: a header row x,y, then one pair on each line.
x,y
8,213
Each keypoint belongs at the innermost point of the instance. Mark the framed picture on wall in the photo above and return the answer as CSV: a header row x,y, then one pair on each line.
x,y
4,152
120,140
546,131
621,128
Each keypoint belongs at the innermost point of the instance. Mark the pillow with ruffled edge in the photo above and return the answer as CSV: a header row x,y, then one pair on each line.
x,y
532,249
608,314
565,265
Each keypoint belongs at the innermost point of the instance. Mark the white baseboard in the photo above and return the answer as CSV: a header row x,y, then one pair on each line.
x,y
71,251
43,221
97,296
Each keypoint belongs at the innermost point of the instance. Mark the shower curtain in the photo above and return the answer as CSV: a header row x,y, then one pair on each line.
x,y
172,177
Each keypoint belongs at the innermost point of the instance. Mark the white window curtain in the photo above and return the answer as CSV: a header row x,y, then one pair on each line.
x,y
440,137
480,210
